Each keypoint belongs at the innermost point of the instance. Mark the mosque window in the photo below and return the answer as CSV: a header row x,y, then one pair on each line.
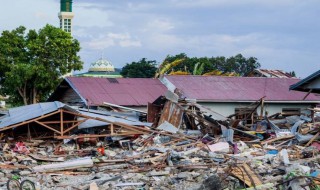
x,y
67,25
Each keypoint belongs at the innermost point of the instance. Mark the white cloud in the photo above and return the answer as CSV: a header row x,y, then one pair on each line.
x,y
137,6
279,33
232,3
159,25
129,43
113,39
85,17
33,14
98,44
119,36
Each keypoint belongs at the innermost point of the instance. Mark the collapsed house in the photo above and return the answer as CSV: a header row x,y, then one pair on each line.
x,y
230,95
57,120
183,144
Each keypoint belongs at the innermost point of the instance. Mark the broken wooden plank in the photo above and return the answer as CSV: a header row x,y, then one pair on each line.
x,y
313,138
246,174
276,139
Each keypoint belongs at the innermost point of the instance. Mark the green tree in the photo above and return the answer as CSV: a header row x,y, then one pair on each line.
x,y
234,65
140,69
292,73
241,65
32,63
198,69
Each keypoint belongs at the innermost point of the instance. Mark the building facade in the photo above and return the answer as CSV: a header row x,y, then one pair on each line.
x,y
66,15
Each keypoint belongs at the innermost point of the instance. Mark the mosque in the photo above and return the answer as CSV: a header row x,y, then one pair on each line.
x,y
100,68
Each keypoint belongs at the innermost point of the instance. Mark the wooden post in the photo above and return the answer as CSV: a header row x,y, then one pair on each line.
x,y
112,129
29,134
61,123
262,108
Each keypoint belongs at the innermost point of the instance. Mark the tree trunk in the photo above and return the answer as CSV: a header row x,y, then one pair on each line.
x,y
23,94
34,95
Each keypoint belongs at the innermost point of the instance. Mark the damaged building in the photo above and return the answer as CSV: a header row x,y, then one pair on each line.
x,y
229,95
186,141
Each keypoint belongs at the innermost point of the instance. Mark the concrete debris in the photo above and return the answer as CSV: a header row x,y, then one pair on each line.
x,y
187,146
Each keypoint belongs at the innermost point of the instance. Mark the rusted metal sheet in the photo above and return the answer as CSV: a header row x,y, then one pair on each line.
x,y
172,113
153,112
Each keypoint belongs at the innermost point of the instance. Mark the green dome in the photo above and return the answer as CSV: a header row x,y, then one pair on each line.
x,y
102,65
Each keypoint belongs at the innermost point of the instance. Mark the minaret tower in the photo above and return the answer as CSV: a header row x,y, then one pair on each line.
x,y
66,15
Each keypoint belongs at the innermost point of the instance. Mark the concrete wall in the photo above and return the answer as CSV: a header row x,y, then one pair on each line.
x,y
227,109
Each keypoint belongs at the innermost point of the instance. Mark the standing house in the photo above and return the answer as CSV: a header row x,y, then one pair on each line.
x,y
229,95
310,84
90,91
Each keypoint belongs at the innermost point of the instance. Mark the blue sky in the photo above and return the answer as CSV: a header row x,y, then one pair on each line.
x,y
281,34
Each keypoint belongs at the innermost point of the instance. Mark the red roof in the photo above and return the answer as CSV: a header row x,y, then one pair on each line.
x,y
218,88
120,91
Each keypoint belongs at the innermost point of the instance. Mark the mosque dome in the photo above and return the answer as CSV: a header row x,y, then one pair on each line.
x,y
102,65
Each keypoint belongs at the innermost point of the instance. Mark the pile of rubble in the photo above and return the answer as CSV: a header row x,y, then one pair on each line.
x,y
187,147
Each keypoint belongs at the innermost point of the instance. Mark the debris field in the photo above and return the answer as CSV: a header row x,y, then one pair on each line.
x,y
177,144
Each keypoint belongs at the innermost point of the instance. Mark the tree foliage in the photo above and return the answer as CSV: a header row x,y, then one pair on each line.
x,y
292,73
235,65
32,63
140,69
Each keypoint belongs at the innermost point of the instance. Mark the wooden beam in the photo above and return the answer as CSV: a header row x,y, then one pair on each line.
x,y
312,139
112,128
138,129
29,121
96,136
61,122
85,116
74,126
132,128
262,108
57,122
307,94
46,126
276,139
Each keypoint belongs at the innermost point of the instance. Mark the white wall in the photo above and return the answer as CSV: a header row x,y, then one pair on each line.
x,y
227,109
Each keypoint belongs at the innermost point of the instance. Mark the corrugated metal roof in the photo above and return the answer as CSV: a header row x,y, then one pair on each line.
x,y
218,88
25,113
127,92
274,73
301,85
96,123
